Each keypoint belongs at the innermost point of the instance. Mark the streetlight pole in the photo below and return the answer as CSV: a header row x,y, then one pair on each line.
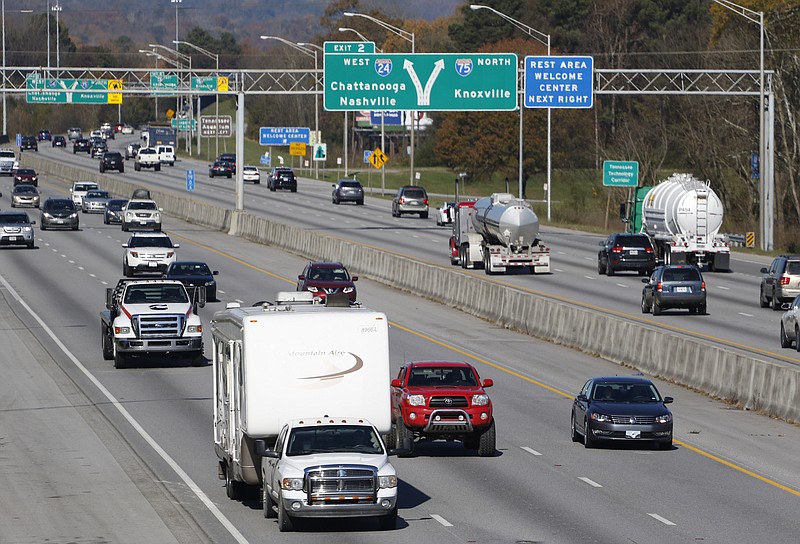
x,y
188,60
216,94
5,78
383,113
57,9
544,39
765,181
408,36
310,50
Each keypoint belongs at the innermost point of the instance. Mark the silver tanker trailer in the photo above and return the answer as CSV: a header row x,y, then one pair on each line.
x,y
497,233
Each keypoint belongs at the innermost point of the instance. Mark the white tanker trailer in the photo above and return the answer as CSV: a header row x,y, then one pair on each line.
x,y
682,215
497,233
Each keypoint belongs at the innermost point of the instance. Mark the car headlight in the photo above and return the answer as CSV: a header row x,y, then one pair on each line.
x,y
128,214
312,289
73,215
387,482
170,254
157,216
210,283
26,229
194,328
416,400
480,400
348,289
135,254
122,330
46,215
664,418
292,484
601,418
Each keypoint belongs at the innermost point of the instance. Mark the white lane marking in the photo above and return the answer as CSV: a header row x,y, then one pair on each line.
x,y
589,258
663,520
63,256
746,315
135,424
622,285
723,287
104,282
441,520
558,270
530,450
80,268
240,301
589,481
560,252
71,262
220,291
92,275
589,277
54,250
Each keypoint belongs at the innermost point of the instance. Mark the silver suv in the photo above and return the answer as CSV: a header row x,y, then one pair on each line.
x,y
148,252
410,199
780,282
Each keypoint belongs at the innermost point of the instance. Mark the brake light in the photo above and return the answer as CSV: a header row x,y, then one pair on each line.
x,y
658,286
649,250
616,249
702,286
784,280
402,200
425,200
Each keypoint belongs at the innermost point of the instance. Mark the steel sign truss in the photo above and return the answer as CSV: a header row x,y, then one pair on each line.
x,y
707,82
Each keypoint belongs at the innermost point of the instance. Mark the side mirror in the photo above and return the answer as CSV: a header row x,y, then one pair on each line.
x,y
668,400
764,270
125,245
161,209
201,296
355,278
176,246
582,398
488,382
301,277
645,280
109,298
32,222
396,383
215,273
271,454
333,185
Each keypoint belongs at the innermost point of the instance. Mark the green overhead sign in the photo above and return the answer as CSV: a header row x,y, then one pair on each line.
x,y
426,81
204,83
349,47
66,91
161,82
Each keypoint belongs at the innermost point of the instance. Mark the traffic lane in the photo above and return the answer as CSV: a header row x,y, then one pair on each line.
x,y
415,302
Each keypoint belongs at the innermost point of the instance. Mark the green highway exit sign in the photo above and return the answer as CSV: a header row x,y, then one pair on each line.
x,y
620,173
425,81
65,91
349,47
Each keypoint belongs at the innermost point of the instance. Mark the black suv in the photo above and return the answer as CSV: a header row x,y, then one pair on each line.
x,y
112,160
28,142
82,145
780,282
674,286
626,251
282,178
228,157
348,190
98,147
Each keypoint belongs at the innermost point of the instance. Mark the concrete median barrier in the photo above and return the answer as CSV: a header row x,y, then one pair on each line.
x,y
750,382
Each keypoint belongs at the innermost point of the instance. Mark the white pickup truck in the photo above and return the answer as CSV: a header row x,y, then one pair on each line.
x,y
147,157
328,467
8,162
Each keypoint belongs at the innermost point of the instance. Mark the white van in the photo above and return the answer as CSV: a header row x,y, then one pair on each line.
x,y
166,154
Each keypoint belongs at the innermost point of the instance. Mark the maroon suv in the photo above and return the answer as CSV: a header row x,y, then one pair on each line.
x,y
442,400
325,279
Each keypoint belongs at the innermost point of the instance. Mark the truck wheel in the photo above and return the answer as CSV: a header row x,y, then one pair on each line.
x,y
389,521
404,436
108,350
120,360
776,302
232,488
488,442
158,168
285,523
268,503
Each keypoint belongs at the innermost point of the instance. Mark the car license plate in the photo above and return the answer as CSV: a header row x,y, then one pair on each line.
x,y
12,238
152,264
633,434
60,221
142,222
681,289
633,252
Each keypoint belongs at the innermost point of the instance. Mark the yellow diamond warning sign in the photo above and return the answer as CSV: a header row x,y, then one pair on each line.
x,y
378,158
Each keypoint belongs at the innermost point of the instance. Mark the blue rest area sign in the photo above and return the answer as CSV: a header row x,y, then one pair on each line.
x,y
620,173
283,135
190,180
559,82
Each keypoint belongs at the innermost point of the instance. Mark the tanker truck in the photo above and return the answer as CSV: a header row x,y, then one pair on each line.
x,y
496,233
682,215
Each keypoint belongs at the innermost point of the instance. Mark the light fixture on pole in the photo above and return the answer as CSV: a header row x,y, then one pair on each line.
x,y
408,36
5,77
310,50
57,8
383,113
216,94
544,39
765,182
188,60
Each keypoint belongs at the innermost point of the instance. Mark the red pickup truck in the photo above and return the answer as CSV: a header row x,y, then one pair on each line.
x,y
437,400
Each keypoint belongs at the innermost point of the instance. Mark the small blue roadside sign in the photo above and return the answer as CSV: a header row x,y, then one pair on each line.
x,y
620,173
559,82
19,139
389,118
367,155
266,159
755,166
283,135
190,180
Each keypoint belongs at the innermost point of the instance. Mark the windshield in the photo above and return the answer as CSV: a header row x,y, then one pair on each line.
x,y
14,219
447,376
58,205
25,172
24,189
85,187
116,204
326,439
328,274
141,205
190,269
150,241
147,293
625,392
97,194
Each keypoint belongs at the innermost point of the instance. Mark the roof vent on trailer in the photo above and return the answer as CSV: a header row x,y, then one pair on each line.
x,y
296,297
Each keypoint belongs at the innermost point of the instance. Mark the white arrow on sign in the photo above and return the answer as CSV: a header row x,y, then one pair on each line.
x,y
423,96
